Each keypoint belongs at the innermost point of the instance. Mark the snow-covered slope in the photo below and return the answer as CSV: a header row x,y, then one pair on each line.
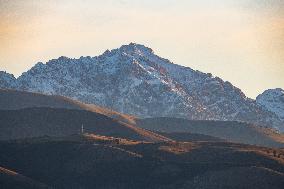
x,y
273,100
133,80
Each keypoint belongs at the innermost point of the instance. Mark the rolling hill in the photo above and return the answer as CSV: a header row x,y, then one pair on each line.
x,y
13,180
88,162
228,130
39,117
13,100
41,146
35,122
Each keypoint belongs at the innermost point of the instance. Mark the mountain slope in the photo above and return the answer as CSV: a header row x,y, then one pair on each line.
x,y
13,100
13,180
36,122
226,130
238,132
133,80
272,100
80,164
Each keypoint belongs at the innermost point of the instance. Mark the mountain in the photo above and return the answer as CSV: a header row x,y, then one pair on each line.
x,y
133,80
74,162
273,100
231,131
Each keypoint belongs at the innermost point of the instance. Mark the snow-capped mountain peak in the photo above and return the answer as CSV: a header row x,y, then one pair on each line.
x,y
132,79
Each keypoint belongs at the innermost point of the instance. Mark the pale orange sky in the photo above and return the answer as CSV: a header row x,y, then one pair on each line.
x,y
241,41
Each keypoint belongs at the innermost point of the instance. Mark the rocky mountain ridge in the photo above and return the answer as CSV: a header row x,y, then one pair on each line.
x,y
134,80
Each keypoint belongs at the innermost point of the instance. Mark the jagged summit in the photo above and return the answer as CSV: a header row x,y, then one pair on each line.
x,y
132,50
133,80
136,48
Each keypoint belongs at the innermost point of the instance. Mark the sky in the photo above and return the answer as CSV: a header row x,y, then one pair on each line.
x,y
241,41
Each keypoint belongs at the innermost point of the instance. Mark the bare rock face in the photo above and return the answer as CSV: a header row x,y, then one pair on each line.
x,y
133,80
